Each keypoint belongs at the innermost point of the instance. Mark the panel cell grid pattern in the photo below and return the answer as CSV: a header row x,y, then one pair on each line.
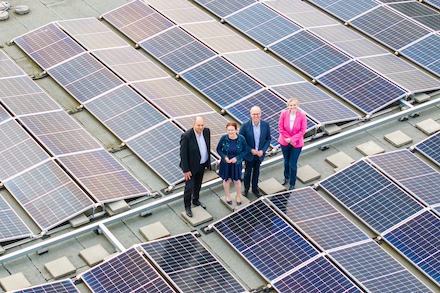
x,y
371,196
426,53
430,148
346,9
419,12
265,240
9,69
223,8
11,226
318,219
186,263
127,272
64,286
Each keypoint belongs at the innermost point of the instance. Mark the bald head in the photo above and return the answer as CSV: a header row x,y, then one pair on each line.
x,y
199,125
255,114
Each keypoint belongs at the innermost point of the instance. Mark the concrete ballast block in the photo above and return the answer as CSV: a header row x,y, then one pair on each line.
x,y
79,220
307,174
93,255
14,282
117,207
154,231
233,207
271,186
200,216
339,160
60,267
398,138
428,126
369,148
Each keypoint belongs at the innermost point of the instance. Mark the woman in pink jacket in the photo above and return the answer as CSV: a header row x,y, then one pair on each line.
x,y
292,126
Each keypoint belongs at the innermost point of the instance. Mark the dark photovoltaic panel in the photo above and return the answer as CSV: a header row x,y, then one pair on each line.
x,y
430,148
419,12
151,146
137,21
426,53
317,276
311,99
389,28
127,272
346,9
411,173
265,240
48,45
125,112
48,195
177,49
65,286
361,87
221,82
223,8
419,241
435,3
181,11
185,261
318,218
262,24
91,33
59,133
308,53
11,226
372,197
130,64
376,270
84,77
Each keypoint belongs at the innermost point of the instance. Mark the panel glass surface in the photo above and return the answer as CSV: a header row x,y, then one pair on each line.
x,y
8,68
30,103
64,286
345,10
430,146
223,8
426,53
371,196
265,240
419,12
127,272
11,226
185,261
435,3
361,87
4,115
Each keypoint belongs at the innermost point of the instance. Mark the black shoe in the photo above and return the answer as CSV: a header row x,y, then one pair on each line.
x,y
284,181
256,192
199,203
245,193
188,212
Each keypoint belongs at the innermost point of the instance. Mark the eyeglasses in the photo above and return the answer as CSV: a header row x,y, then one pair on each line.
x,y
256,114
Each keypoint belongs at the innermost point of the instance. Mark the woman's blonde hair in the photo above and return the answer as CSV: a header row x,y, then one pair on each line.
x,y
292,100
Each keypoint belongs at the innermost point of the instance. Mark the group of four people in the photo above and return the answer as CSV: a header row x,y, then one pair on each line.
x,y
249,145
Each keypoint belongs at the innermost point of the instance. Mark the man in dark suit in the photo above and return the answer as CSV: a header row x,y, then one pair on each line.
x,y
257,134
195,145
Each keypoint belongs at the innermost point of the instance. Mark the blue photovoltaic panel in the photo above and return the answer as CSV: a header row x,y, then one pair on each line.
x,y
318,276
371,196
419,240
137,21
11,226
308,53
426,53
378,271
48,45
435,3
127,272
311,100
414,175
221,82
223,8
361,87
346,9
65,286
185,261
262,24
177,49
84,77
265,240
125,112
8,68
4,115
317,218
420,13
430,148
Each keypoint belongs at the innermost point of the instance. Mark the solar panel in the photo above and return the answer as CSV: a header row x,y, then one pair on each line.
x,y
8,68
317,276
180,11
262,24
91,33
23,104
4,115
414,175
425,52
177,49
127,272
429,147
308,53
419,12
48,195
129,64
372,197
220,81
11,225
435,3
345,10
125,112
361,87
419,241
223,8
265,240
84,77
317,218
185,262
311,100
64,286
377,270
137,20
48,45
103,176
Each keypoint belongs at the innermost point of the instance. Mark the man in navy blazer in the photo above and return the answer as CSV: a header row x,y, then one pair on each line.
x,y
195,146
257,134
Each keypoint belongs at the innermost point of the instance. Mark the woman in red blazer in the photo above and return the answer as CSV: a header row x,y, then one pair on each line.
x,y
292,126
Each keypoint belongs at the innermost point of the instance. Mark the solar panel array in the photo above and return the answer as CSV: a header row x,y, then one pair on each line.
x,y
11,225
429,147
64,286
190,266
